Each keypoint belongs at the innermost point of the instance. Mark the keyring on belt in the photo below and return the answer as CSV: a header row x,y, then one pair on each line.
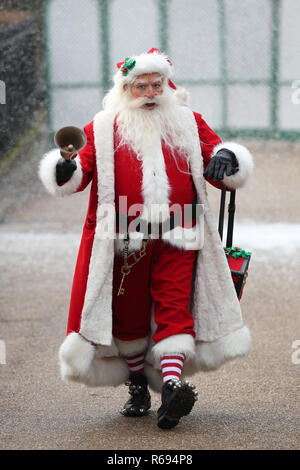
x,y
126,267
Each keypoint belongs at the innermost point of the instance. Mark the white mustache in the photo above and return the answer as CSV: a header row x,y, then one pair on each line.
x,y
135,103
139,102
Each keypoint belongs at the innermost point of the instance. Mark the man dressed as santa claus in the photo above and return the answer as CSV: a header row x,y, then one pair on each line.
x,y
152,300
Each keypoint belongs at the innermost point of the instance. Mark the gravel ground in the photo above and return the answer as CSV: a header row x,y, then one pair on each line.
x,y
252,403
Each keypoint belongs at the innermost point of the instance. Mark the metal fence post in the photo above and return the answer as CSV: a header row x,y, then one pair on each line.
x,y
105,44
275,8
223,63
163,24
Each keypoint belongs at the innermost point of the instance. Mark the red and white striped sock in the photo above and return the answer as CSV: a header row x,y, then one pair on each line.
x,y
135,363
171,366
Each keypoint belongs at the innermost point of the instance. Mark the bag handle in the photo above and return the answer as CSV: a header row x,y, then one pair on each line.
x,y
231,211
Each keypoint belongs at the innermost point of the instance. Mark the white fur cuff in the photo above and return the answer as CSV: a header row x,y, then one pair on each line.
x,y
210,356
128,348
47,174
245,161
75,356
78,363
184,344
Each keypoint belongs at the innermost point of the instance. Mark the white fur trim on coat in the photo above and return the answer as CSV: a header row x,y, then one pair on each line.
x,y
212,355
47,174
136,346
183,344
245,161
96,318
79,362
218,323
76,354
186,238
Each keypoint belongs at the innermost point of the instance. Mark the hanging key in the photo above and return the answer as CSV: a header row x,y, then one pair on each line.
x,y
124,270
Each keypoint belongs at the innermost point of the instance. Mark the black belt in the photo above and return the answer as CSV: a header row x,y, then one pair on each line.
x,y
148,228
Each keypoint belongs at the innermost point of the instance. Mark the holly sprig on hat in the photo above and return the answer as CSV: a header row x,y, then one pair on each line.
x,y
129,64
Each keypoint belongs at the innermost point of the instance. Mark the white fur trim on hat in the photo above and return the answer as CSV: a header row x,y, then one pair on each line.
x,y
146,63
245,161
182,96
47,174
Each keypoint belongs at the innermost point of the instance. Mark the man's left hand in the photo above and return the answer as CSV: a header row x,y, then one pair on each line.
x,y
223,162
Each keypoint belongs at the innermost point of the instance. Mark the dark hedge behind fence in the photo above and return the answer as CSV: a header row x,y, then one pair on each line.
x,y
22,72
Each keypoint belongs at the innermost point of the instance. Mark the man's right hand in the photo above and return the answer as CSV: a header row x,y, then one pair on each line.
x,y
64,170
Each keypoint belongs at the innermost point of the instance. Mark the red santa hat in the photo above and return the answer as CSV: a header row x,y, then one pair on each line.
x,y
154,61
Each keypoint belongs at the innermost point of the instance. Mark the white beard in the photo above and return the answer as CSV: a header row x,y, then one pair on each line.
x,y
143,131
141,128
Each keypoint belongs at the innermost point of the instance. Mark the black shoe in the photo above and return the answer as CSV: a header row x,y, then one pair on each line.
x,y
140,401
177,400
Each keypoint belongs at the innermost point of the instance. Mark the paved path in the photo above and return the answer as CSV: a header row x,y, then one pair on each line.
x,y
248,404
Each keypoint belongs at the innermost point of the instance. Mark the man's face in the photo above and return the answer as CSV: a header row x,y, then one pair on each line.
x,y
148,85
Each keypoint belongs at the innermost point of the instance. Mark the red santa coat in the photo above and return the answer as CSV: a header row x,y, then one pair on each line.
x,y
220,332
128,181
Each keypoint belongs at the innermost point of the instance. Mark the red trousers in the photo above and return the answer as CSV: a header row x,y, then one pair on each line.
x,y
162,277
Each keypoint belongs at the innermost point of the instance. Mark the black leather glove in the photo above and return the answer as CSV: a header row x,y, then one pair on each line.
x,y
223,162
64,170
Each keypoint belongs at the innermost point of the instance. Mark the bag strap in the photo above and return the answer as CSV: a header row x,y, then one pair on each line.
x,y
231,211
